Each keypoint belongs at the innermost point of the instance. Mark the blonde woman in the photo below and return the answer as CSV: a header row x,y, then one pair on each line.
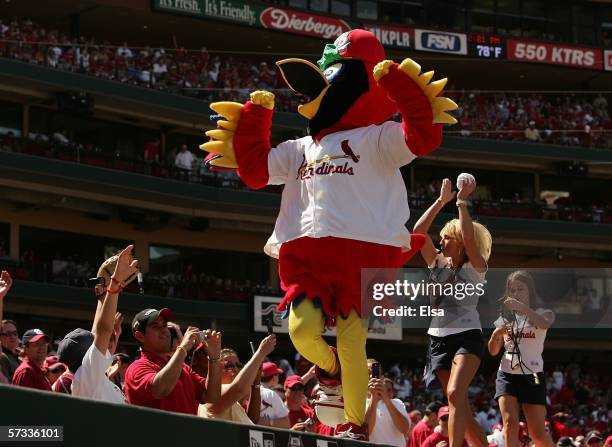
x,y
520,333
456,345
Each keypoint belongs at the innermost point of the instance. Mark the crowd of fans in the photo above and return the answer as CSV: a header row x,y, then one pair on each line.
x,y
569,119
182,164
268,390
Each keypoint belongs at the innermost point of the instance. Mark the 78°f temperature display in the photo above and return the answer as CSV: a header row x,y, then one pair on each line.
x,y
486,46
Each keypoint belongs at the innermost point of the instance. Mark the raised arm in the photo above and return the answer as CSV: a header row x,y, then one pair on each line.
x,y
241,385
424,223
104,320
212,344
6,282
167,377
467,227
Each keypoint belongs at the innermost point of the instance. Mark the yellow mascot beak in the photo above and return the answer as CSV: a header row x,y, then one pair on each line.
x,y
305,78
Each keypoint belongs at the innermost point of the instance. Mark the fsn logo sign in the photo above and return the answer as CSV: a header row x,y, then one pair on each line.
x,y
455,43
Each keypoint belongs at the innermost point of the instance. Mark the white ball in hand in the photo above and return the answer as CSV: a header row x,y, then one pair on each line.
x,y
464,178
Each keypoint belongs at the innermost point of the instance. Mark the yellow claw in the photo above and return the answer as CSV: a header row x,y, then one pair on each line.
x,y
381,69
436,87
223,148
220,134
263,98
444,118
443,104
227,125
411,68
223,162
424,79
228,109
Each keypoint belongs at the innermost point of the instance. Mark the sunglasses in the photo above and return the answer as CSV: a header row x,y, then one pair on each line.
x,y
594,441
297,388
9,334
230,365
444,418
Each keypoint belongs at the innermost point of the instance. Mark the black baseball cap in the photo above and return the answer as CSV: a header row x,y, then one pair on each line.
x,y
433,407
73,347
33,335
565,441
144,317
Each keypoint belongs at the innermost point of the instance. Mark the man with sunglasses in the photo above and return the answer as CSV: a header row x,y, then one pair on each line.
x,y
440,434
9,341
162,381
302,416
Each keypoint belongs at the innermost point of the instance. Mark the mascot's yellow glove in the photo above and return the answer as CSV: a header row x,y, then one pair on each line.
x,y
428,90
221,144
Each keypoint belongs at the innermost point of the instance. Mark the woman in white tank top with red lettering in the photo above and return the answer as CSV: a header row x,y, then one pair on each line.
x,y
520,333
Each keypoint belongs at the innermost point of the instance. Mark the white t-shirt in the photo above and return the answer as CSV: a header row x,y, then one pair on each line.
x,y
184,160
90,380
460,313
531,344
385,431
346,185
272,405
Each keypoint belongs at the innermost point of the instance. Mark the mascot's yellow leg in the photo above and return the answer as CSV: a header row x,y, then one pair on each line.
x,y
305,329
351,342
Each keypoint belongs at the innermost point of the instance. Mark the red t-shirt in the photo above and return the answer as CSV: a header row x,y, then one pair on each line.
x,y
138,384
419,434
306,412
300,415
30,375
433,439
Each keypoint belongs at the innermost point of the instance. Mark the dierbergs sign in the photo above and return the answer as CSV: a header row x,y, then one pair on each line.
x,y
303,23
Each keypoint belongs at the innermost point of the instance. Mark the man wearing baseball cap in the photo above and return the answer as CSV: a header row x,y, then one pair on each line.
x,y
273,411
302,416
425,426
594,438
440,435
30,373
156,380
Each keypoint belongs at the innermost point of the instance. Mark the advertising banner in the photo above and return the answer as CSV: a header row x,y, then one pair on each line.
x,y
304,23
227,10
264,312
440,41
392,36
554,54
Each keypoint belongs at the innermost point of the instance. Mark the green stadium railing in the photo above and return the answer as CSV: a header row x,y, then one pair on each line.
x,y
142,96
92,424
143,187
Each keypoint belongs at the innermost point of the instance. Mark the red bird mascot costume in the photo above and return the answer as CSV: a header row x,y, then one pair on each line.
x,y
344,205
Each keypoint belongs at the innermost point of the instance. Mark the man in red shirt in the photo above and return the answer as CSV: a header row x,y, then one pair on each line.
x,y
440,435
425,426
30,373
301,415
160,379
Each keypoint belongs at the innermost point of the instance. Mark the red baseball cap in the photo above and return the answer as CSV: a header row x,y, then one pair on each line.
x,y
608,441
443,411
293,380
270,369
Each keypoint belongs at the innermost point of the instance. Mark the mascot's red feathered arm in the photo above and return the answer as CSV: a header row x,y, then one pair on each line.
x,y
423,110
243,140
